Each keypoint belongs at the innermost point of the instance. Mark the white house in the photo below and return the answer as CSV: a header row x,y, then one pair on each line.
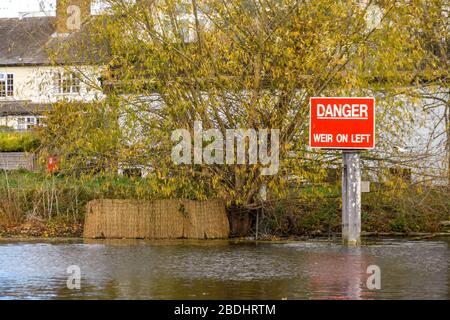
x,y
30,81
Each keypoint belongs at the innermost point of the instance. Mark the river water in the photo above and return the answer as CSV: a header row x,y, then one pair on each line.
x,y
122,269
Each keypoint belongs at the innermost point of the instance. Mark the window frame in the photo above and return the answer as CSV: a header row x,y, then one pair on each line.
x,y
7,89
67,83
27,122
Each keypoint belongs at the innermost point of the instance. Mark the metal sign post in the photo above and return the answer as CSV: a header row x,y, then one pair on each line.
x,y
348,124
351,198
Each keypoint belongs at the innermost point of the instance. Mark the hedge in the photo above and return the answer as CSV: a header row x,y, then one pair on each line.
x,y
18,142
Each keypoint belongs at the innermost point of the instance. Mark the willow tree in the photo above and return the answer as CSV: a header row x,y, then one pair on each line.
x,y
248,64
433,87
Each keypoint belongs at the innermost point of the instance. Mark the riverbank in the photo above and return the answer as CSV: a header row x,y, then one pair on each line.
x,y
76,236
62,229
42,229
367,239
40,205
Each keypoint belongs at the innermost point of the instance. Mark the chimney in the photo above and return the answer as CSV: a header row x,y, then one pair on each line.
x,y
70,15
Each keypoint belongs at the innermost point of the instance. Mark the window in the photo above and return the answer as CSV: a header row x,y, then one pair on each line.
x,y
67,83
27,123
21,123
6,85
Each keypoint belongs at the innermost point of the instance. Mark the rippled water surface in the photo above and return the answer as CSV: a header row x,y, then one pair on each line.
x,y
224,270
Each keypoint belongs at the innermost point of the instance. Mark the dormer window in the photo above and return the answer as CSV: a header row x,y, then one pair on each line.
x,y
6,85
67,82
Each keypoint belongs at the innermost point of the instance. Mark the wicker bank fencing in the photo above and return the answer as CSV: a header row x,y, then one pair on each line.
x,y
159,219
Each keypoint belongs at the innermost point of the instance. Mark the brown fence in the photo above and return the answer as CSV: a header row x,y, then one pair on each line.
x,y
159,219
17,160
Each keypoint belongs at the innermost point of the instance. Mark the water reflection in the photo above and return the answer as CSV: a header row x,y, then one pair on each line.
x,y
224,270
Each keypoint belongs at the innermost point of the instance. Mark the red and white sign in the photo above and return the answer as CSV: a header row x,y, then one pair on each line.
x,y
342,123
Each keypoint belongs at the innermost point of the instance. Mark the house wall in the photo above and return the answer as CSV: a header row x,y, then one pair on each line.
x,y
38,84
23,122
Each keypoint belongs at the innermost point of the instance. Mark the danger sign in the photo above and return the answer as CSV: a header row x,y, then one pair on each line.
x,y
342,123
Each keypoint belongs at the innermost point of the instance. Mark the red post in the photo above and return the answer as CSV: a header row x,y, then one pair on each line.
x,y
52,164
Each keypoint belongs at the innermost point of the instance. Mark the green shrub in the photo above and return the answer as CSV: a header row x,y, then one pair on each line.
x,y
410,209
18,142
